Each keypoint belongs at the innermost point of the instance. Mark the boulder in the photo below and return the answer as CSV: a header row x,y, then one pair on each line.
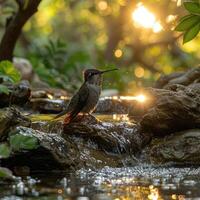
x,y
9,118
172,110
19,94
179,148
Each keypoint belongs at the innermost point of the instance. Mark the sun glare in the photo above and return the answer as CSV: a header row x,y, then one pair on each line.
x,y
141,98
143,17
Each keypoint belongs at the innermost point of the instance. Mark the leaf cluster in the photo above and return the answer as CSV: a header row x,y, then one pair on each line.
x,y
59,66
190,24
8,73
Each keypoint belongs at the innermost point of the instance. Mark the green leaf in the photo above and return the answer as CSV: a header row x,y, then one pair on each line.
x,y
4,89
7,69
191,33
4,151
19,141
187,22
5,173
192,7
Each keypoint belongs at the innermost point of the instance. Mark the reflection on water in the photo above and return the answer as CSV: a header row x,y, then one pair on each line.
x,y
106,118
138,183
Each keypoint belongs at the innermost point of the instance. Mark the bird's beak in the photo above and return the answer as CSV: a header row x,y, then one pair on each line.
x,y
109,70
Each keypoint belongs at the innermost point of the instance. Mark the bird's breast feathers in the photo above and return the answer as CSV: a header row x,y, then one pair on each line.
x,y
93,97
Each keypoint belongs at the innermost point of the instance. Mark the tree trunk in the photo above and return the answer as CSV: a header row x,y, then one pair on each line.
x,y
14,28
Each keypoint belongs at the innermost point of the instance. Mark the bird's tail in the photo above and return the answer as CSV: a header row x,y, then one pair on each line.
x,y
70,117
67,119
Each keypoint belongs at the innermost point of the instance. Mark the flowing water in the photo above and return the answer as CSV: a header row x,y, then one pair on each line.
x,y
139,182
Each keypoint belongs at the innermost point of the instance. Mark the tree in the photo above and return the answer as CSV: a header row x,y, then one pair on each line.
x,y
14,25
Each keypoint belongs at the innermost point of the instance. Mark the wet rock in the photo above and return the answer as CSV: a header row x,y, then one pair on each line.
x,y
171,111
19,94
110,137
98,144
52,151
44,105
9,118
179,148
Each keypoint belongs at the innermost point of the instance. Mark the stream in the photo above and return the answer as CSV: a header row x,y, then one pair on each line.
x,y
141,181
138,182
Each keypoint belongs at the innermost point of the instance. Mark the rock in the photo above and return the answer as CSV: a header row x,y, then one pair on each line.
x,y
25,68
181,78
164,79
52,151
9,118
57,153
19,94
84,143
110,137
38,93
52,93
44,105
109,92
110,106
172,111
180,148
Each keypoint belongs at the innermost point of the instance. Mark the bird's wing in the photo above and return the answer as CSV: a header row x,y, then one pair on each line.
x,y
76,104
74,109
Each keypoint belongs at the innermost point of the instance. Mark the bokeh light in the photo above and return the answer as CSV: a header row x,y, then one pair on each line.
x,y
139,72
118,53
102,5
143,17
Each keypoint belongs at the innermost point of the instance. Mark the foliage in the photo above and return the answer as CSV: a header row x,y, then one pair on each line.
x,y
93,31
25,142
190,24
8,73
57,66
4,151
5,173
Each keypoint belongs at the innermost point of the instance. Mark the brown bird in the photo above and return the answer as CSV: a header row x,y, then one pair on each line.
x,y
87,97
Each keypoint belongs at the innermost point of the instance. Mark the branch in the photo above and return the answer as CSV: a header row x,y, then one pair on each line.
x,y
14,28
163,42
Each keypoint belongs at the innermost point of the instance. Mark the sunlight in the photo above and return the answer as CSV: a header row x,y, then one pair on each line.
x,y
49,96
143,17
121,117
140,98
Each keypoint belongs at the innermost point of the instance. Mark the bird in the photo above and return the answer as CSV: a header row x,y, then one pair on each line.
x,y
86,98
